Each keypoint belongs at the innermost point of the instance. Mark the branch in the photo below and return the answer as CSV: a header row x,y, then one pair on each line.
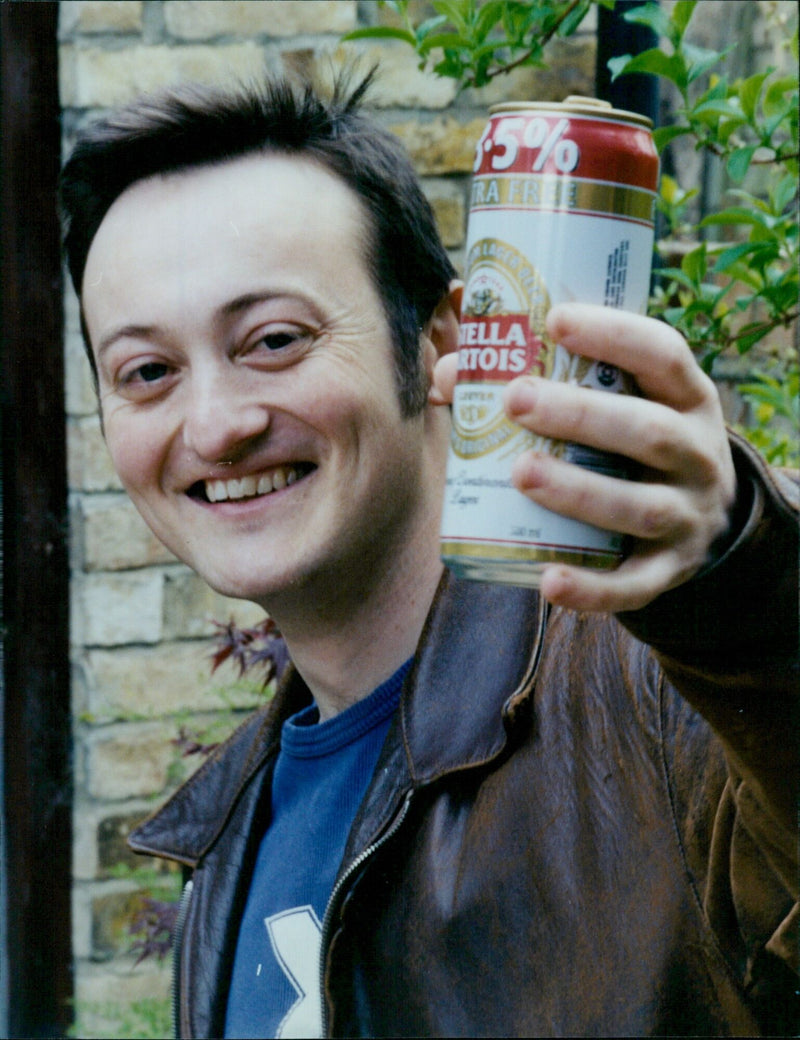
x,y
503,69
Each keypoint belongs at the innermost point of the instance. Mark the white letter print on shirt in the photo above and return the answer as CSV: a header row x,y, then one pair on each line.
x,y
296,936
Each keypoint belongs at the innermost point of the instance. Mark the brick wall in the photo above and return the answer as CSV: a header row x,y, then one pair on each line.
x,y
140,620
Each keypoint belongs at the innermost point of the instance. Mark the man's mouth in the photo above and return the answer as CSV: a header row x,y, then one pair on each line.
x,y
250,486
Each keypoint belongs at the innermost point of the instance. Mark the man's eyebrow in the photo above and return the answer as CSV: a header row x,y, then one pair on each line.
x,y
241,303
147,332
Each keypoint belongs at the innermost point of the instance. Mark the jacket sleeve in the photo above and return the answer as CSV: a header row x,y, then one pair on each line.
x,y
728,642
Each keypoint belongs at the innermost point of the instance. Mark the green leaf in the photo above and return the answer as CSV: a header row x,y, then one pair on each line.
x,y
443,40
700,59
783,193
720,107
734,215
655,17
682,14
750,91
674,315
670,189
718,89
456,10
694,264
662,135
488,16
428,26
729,257
518,19
747,337
573,19
775,100
451,66
778,116
725,130
674,274
655,62
381,32
739,162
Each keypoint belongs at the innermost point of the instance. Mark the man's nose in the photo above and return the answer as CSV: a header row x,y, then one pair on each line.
x,y
222,416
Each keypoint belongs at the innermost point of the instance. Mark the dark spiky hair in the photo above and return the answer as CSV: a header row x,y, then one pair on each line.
x,y
191,127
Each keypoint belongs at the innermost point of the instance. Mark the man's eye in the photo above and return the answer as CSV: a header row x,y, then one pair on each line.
x,y
279,340
139,376
150,372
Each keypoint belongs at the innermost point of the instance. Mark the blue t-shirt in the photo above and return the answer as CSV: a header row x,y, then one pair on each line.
x,y
321,775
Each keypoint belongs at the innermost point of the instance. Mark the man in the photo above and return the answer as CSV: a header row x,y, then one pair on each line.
x,y
470,809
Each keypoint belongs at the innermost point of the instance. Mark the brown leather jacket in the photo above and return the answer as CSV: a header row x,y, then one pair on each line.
x,y
567,833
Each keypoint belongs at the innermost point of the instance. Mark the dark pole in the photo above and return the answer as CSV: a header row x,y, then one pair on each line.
x,y
35,970
635,92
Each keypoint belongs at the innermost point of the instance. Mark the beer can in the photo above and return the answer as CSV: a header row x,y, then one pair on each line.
x,y
562,209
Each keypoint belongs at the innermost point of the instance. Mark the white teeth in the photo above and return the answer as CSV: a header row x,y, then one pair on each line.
x,y
248,487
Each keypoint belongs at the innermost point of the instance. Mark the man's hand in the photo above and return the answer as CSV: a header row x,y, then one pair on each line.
x,y
675,431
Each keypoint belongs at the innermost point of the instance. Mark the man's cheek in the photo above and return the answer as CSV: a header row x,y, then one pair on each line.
x,y
129,457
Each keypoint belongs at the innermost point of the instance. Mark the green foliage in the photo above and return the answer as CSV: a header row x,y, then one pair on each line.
x,y
146,1019
776,405
738,284
473,43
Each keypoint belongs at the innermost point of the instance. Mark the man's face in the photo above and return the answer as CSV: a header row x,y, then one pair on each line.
x,y
246,378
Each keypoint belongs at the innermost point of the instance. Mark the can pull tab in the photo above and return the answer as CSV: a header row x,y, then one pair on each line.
x,y
581,99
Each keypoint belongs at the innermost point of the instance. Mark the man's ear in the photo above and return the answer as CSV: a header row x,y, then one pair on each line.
x,y
441,332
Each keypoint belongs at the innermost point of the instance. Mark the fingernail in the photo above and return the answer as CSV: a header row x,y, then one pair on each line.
x,y
527,472
520,396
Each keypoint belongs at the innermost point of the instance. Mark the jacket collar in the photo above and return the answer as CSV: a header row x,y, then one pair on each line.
x,y
471,679
473,674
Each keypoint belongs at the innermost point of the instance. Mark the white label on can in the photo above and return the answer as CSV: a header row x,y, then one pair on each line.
x,y
578,256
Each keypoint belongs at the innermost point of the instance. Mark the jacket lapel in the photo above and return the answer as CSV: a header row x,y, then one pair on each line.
x,y
473,673
472,679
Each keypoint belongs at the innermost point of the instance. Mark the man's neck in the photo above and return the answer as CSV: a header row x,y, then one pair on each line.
x,y
346,654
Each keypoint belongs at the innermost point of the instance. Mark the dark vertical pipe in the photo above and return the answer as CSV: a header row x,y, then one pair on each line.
x,y
634,92
36,797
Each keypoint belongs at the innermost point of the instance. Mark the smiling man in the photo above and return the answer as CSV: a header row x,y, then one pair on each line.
x,y
470,809
251,408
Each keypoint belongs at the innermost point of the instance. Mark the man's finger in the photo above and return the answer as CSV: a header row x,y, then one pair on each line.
x,y
649,511
635,583
651,351
646,431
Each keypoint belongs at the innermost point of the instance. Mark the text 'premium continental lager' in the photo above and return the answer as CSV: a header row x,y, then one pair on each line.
x,y
562,209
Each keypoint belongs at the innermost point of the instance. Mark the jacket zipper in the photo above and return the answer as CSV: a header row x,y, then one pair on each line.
x,y
327,920
177,946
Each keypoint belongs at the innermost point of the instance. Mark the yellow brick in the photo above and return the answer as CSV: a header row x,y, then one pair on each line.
x,y
163,680
99,16
115,537
440,145
94,77
206,19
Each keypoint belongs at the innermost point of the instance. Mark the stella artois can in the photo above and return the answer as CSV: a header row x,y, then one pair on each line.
x,y
563,202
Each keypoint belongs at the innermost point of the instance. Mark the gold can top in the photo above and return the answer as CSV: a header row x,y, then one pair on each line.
x,y
578,105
